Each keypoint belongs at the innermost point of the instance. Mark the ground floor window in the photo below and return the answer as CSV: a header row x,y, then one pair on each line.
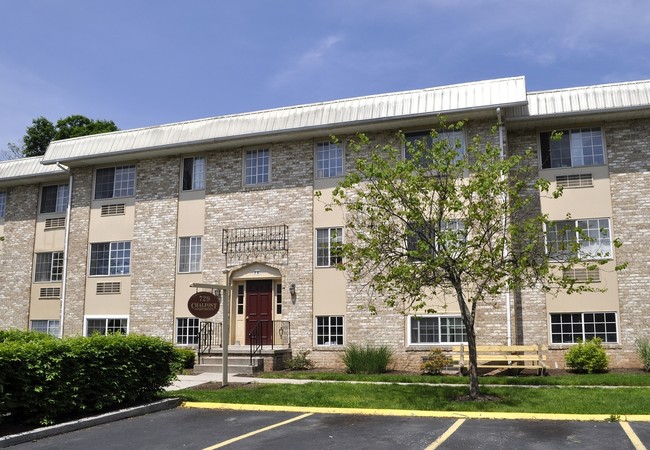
x,y
45,326
187,330
574,327
329,330
437,329
106,326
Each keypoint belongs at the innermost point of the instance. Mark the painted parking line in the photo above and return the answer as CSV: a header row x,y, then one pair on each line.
x,y
444,436
638,445
261,430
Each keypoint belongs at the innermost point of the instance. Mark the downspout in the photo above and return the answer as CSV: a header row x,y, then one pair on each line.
x,y
505,231
65,247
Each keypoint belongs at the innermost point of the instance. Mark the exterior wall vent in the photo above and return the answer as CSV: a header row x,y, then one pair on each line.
x,y
50,292
575,181
112,287
58,222
113,210
581,275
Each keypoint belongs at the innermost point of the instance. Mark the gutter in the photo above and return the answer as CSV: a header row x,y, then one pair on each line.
x,y
505,224
65,247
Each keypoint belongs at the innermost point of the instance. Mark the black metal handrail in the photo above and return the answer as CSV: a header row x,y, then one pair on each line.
x,y
209,336
268,332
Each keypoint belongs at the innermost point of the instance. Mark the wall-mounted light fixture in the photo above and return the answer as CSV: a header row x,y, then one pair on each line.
x,y
292,289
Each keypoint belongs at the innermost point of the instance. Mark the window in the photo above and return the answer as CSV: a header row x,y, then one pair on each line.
x,y
115,182
3,203
278,298
240,299
194,173
106,326
187,330
456,139
257,168
49,267
110,258
585,238
189,254
329,160
572,327
45,326
582,147
54,198
328,245
437,330
329,330
451,231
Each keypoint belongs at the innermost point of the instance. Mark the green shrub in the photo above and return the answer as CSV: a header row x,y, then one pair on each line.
x,y
185,358
23,336
643,350
368,359
299,362
44,380
435,362
587,357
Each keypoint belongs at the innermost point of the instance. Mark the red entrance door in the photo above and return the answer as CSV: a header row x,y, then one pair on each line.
x,y
259,304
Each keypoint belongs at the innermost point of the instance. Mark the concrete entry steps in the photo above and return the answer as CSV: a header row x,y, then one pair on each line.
x,y
239,360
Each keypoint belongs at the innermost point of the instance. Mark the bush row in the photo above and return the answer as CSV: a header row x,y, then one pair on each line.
x,y
42,379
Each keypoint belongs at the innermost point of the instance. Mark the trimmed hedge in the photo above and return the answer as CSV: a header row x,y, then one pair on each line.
x,y
42,380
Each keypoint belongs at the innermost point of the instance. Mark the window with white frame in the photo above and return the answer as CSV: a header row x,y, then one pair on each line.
x,y
569,328
189,254
436,329
328,245
425,139
187,330
572,148
48,267
54,198
3,203
115,182
194,173
50,327
257,169
106,326
329,330
585,238
449,234
110,258
329,160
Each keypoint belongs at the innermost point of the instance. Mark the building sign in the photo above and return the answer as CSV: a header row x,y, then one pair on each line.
x,y
203,305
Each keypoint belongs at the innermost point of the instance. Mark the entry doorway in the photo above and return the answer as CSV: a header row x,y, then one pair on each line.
x,y
259,311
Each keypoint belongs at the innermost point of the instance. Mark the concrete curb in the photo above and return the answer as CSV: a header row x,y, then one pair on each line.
x,y
86,422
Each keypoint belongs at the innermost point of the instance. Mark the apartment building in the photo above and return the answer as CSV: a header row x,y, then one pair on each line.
x,y
109,233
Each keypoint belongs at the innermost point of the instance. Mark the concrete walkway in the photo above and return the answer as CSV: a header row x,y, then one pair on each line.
x,y
188,381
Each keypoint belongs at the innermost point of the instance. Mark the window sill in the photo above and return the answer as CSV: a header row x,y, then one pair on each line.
x,y
605,345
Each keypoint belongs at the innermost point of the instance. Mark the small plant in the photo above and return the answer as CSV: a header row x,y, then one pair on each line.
x,y
614,418
435,362
643,350
587,357
299,362
368,359
185,358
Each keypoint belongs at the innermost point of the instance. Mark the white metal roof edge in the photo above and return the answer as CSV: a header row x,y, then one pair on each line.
x,y
22,168
515,96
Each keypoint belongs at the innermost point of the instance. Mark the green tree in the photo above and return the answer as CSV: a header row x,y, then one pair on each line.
x,y
39,135
441,222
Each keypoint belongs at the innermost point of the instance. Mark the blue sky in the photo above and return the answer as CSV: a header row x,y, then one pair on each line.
x,y
142,63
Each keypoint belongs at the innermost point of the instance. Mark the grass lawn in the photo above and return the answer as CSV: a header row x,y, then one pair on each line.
x,y
555,394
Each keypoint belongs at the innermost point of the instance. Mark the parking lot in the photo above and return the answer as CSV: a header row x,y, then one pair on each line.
x,y
197,428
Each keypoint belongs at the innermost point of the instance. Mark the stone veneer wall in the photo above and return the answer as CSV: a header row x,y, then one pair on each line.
x,y
628,151
153,258
82,191
16,258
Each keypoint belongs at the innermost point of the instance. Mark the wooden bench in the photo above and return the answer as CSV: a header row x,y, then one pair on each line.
x,y
516,357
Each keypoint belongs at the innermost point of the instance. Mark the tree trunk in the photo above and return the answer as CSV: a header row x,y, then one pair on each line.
x,y
474,390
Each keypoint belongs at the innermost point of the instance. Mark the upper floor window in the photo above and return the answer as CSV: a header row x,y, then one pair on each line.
x,y
329,160
3,202
115,182
257,168
425,239
194,173
110,258
328,242
572,148
586,238
49,267
455,139
437,329
189,254
54,198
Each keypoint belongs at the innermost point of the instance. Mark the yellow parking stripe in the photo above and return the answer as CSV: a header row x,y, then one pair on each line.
x,y
638,445
444,436
261,430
